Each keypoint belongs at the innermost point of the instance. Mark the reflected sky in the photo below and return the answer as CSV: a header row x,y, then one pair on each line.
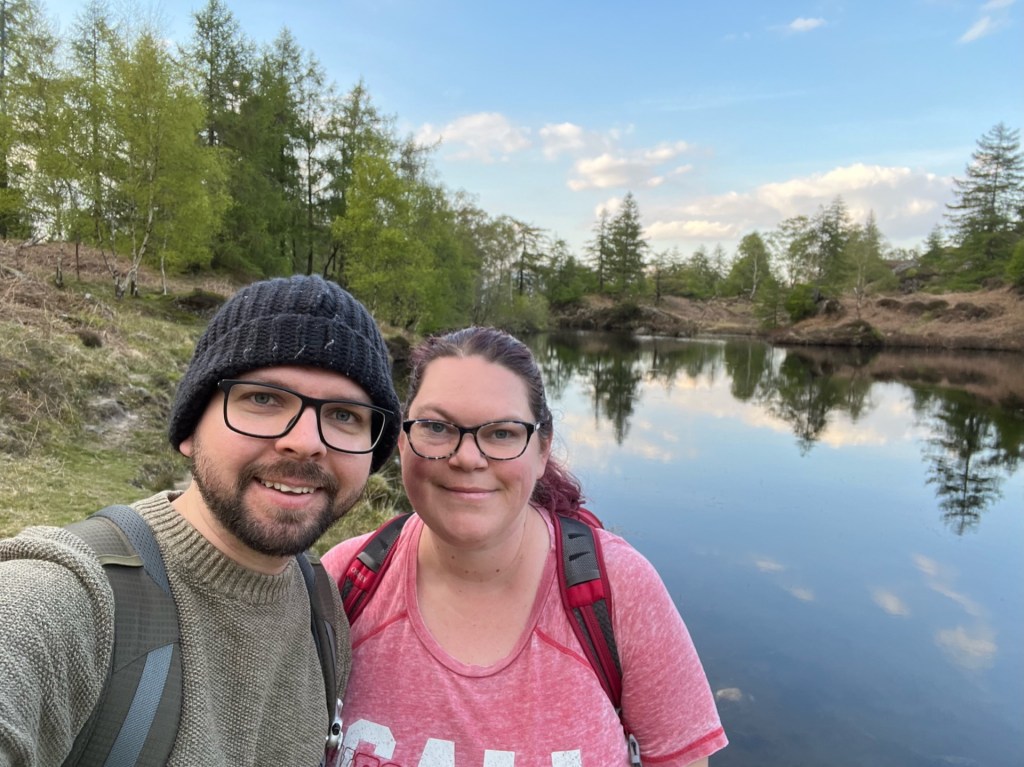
x,y
852,602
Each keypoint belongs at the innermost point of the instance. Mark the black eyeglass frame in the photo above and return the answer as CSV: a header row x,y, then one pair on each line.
x,y
463,431
226,384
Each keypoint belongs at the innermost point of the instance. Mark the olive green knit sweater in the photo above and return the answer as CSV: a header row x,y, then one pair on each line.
x,y
253,688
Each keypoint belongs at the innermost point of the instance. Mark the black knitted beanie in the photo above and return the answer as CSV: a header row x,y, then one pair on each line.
x,y
289,321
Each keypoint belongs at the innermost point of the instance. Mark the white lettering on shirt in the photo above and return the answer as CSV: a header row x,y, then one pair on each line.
x,y
567,759
436,753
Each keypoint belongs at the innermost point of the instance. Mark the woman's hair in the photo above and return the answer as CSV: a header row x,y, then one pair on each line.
x,y
557,490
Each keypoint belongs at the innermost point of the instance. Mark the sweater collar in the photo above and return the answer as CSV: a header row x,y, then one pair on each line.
x,y
193,558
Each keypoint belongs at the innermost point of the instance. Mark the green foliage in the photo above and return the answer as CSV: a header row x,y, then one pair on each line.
x,y
768,303
990,197
800,302
751,268
1015,268
625,250
522,314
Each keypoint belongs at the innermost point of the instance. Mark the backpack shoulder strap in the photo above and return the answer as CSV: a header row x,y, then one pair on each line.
x,y
586,595
367,566
135,721
323,617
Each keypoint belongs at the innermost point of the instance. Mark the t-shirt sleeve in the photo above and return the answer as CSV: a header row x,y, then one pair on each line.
x,y
666,700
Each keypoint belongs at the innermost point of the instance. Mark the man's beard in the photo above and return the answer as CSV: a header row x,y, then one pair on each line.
x,y
273,539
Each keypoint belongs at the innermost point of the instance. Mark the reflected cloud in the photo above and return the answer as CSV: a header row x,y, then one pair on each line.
x,y
769,566
970,649
939,580
926,565
889,602
732,694
801,593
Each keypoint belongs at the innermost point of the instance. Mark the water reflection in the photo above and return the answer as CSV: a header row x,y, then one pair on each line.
x,y
841,530
973,413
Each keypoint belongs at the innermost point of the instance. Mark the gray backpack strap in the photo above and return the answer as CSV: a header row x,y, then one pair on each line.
x,y
135,722
324,617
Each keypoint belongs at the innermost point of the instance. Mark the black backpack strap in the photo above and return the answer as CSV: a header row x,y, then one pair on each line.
x,y
363,573
323,619
135,721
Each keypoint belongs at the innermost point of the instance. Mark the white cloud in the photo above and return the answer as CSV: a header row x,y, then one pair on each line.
x,y
905,203
691,229
564,137
485,136
609,206
805,25
987,24
631,170
980,28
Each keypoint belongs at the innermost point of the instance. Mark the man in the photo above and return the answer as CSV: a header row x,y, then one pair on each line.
x,y
285,409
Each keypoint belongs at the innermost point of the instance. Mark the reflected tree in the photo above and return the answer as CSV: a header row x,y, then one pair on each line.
x,y
971,453
749,367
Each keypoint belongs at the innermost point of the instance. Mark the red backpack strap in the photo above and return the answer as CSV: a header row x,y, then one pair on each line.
x,y
587,597
369,563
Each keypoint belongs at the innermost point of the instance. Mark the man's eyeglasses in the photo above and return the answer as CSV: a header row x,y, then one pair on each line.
x,y
269,411
496,440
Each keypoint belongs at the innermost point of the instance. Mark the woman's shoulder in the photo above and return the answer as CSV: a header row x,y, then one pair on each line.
x,y
338,557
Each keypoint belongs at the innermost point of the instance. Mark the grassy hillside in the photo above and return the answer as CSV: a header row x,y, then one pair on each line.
x,y
86,385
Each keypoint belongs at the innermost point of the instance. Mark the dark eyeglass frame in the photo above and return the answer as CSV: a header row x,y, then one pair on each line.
x,y
463,431
226,384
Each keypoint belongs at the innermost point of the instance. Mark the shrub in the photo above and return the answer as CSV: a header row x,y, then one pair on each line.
x,y
800,303
1015,267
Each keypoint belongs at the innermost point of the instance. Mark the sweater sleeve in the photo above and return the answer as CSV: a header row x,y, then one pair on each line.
x,y
666,700
57,619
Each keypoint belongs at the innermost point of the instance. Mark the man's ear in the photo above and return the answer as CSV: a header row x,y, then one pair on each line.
x,y
185,448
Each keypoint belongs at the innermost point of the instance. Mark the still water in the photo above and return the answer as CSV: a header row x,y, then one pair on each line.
x,y
842,534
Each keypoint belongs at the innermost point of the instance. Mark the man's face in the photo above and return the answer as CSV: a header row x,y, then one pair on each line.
x,y
277,496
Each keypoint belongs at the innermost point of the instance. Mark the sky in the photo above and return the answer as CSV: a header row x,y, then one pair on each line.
x,y
722,118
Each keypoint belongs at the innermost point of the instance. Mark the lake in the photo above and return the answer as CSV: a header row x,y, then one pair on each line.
x,y
842,532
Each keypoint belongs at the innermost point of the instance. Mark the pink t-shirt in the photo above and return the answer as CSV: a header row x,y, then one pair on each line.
x,y
410,704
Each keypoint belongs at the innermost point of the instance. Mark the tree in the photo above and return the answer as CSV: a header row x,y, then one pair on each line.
x,y
162,175
600,249
27,50
990,199
865,253
751,267
358,129
567,280
388,267
627,249
220,59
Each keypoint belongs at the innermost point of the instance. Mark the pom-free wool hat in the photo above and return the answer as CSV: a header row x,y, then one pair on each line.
x,y
297,320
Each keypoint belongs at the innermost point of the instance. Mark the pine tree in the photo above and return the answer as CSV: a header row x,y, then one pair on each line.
x,y
989,199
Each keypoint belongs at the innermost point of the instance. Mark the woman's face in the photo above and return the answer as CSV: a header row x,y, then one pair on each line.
x,y
469,500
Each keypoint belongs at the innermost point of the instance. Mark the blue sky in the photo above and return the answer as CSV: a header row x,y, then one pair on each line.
x,y
721,118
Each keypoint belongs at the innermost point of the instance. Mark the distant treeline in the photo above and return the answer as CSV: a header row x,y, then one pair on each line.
x,y
226,156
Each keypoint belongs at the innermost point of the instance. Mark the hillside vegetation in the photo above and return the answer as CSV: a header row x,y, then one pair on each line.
x,y
86,385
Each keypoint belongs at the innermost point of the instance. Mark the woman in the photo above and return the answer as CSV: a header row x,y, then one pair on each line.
x,y
465,655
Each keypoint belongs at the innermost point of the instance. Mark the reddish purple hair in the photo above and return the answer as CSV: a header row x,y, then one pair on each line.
x,y
557,490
